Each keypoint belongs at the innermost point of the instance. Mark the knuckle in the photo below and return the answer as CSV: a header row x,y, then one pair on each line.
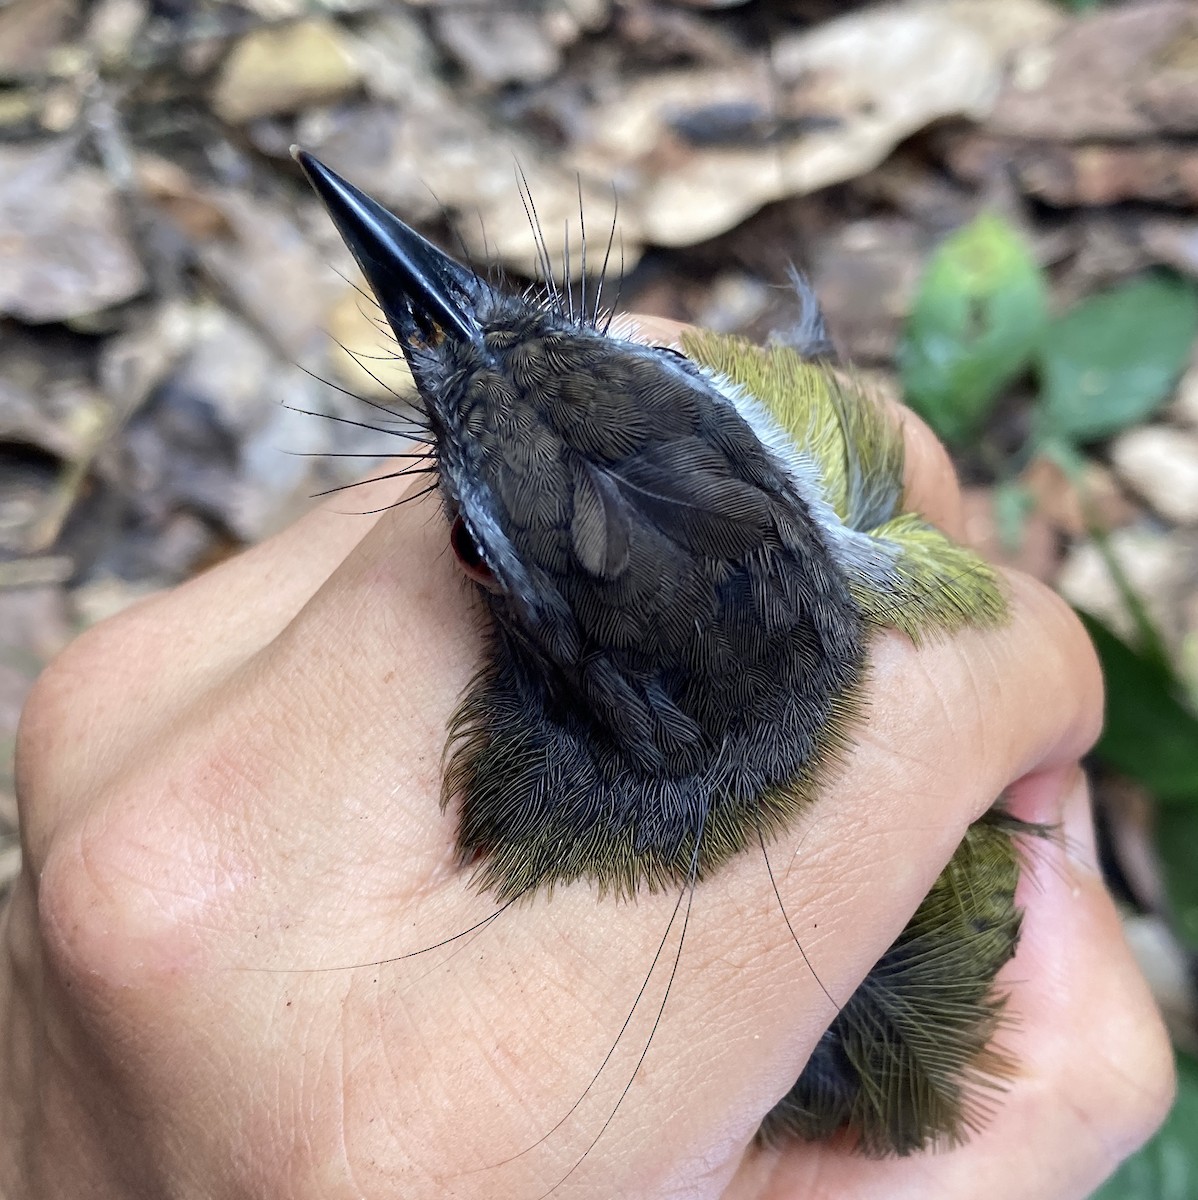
x,y
64,702
1139,1082
131,889
71,719
930,480
928,453
925,452
1064,637
49,721
1117,1067
80,920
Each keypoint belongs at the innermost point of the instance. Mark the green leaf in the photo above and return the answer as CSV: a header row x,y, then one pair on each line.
x,y
1167,1167
1149,734
1113,359
1177,848
977,320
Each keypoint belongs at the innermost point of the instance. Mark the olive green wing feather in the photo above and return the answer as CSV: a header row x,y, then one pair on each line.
x,y
908,1062
905,574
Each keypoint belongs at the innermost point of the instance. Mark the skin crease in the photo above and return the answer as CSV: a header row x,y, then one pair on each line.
x,y
229,800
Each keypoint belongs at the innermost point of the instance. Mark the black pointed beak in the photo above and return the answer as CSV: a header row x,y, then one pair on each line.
x,y
419,288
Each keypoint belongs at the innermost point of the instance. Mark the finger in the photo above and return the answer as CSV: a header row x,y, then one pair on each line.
x,y
931,487
1095,1075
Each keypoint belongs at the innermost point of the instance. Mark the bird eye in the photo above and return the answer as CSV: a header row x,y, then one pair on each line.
x,y
470,557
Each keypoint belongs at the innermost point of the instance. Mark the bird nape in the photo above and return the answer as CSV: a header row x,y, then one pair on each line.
x,y
684,556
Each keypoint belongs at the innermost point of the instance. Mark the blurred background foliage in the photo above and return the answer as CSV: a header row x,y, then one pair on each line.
x,y
997,204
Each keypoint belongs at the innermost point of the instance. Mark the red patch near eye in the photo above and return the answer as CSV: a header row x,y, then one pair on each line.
x,y
469,556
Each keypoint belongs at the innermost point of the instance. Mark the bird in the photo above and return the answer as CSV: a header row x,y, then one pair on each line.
x,y
684,553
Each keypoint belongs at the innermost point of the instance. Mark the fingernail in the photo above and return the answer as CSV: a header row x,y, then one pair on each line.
x,y
1077,824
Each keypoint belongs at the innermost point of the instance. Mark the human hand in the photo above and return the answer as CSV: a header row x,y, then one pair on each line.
x,y
229,811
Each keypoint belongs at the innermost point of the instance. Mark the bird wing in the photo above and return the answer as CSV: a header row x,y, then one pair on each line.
x,y
904,572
